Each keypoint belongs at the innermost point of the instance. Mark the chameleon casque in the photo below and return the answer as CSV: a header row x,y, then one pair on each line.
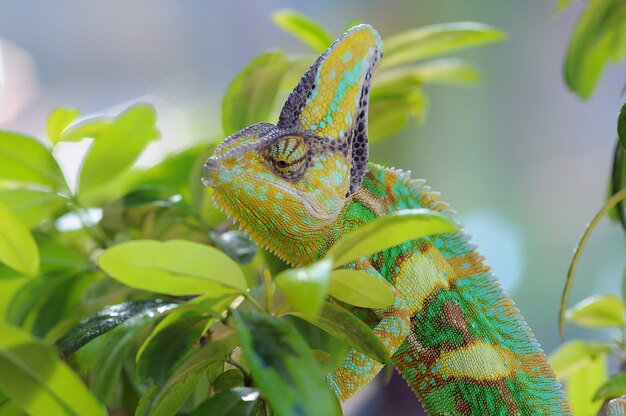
x,y
299,186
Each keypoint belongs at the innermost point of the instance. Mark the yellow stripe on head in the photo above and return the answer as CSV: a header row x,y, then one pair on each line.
x,y
331,99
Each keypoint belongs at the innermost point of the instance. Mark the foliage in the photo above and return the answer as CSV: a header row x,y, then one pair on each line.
x,y
151,300
397,94
599,37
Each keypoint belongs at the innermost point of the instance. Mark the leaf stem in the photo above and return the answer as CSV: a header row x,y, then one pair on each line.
x,y
244,371
253,301
612,202
94,230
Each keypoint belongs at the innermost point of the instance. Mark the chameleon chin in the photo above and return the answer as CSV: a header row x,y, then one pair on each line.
x,y
298,186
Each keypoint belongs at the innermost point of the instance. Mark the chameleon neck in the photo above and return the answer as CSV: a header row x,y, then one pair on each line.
x,y
469,350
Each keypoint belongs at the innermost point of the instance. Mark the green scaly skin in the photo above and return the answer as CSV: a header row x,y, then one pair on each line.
x,y
301,185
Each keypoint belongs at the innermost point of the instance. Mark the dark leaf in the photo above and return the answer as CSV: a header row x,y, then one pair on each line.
x,y
106,320
228,380
346,327
236,244
617,182
239,401
168,399
171,341
614,387
330,350
117,347
283,367
621,126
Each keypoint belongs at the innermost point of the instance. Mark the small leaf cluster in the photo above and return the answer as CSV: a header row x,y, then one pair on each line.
x,y
599,38
584,365
127,291
397,94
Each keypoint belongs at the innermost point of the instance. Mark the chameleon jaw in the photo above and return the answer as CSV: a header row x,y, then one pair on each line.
x,y
247,229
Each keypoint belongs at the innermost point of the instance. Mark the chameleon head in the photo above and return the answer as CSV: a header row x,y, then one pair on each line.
x,y
289,177
295,177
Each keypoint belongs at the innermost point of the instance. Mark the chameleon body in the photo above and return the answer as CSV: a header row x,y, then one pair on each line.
x,y
299,186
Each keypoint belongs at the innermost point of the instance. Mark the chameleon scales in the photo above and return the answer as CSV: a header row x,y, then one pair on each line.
x,y
300,185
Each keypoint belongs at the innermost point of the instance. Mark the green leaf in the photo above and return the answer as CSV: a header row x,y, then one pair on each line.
x,y
598,311
614,387
599,37
172,339
390,114
621,126
91,128
8,408
346,327
327,349
440,71
562,5
117,148
18,248
167,400
34,295
251,95
58,120
198,193
11,282
239,401
24,159
617,182
389,231
40,383
174,267
582,385
360,289
32,206
118,345
573,355
434,40
305,288
304,28
60,257
228,379
236,244
283,367
106,320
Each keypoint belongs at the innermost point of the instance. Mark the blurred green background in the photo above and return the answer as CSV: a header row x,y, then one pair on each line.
x,y
523,160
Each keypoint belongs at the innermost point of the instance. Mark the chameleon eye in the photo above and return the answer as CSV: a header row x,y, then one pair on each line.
x,y
288,156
